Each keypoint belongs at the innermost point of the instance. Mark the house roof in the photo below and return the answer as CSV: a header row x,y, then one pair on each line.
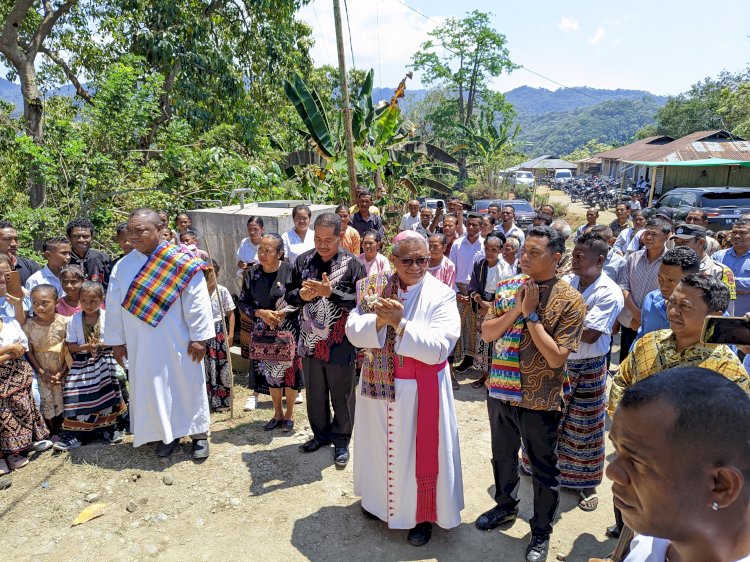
x,y
638,150
702,145
546,162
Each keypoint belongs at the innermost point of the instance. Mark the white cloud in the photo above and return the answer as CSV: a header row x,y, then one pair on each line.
x,y
401,32
568,24
597,36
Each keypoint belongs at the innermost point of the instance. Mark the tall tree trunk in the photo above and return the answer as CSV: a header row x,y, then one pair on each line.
x,y
33,113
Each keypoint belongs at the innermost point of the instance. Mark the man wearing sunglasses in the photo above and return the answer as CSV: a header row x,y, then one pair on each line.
x,y
407,468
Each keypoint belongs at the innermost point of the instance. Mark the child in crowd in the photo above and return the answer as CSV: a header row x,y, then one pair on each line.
x,y
183,223
216,361
57,252
46,332
71,278
166,235
189,244
92,395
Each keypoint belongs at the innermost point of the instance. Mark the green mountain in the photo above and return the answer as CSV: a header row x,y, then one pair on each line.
x,y
534,101
612,122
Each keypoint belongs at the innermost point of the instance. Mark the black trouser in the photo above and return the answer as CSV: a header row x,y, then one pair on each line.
x,y
328,385
627,337
539,430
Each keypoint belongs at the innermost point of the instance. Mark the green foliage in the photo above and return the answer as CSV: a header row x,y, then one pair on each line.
x,y
735,108
593,146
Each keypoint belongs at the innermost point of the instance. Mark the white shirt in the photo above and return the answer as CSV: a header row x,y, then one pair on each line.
x,y
407,221
462,255
247,252
513,230
74,333
652,549
43,276
502,270
604,301
294,245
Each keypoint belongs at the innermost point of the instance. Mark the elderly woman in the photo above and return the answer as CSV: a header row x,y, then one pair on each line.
x,y
510,253
299,239
488,271
440,267
407,323
274,369
371,258
350,239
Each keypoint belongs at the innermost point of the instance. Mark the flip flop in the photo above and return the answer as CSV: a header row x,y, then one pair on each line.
x,y
4,469
588,503
17,461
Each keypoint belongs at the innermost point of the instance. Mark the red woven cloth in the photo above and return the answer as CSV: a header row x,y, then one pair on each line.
x,y
428,435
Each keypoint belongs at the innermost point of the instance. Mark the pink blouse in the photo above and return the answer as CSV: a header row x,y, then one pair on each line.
x,y
379,265
445,272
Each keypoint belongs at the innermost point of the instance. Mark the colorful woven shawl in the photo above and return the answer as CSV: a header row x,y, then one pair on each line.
x,y
159,283
505,372
377,368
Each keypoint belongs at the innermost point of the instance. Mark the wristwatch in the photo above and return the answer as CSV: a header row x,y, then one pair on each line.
x,y
532,317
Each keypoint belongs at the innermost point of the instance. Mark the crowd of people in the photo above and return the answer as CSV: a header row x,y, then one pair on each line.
x,y
92,347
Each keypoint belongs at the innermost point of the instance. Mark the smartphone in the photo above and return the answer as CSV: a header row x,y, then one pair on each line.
x,y
13,283
440,204
727,330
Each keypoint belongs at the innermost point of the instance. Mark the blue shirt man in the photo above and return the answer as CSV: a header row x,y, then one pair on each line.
x,y
737,258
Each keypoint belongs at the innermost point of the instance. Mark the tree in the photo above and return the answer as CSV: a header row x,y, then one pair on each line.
x,y
471,53
735,108
591,147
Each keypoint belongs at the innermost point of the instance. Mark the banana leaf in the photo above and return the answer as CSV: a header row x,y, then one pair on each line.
x,y
435,185
429,150
308,106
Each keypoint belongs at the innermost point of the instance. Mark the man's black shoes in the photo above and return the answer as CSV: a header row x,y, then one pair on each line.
x,y
537,549
420,535
494,518
313,445
341,456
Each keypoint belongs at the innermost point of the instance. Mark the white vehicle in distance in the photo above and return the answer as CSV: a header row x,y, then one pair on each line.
x,y
561,176
522,178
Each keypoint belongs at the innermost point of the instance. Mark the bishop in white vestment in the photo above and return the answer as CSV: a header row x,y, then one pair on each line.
x,y
407,464
168,397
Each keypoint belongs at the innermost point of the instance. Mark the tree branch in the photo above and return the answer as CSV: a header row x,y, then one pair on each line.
x,y
55,57
49,21
9,36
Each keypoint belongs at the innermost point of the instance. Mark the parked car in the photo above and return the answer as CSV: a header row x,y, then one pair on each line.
x,y
431,203
523,178
723,205
481,205
560,177
524,212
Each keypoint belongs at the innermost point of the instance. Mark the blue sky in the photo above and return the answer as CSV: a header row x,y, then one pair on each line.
x,y
662,46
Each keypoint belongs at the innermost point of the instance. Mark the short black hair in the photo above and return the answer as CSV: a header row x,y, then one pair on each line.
x,y
545,218
684,257
715,294
93,287
713,412
364,192
509,207
659,222
120,228
555,241
471,216
741,222
490,218
298,208
593,243
704,214
75,269
374,233
54,241
190,232
602,231
329,220
254,219
80,222
451,216
342,207
6,224
45,287
493,205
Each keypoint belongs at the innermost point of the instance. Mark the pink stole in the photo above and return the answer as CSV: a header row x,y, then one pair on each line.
x,y
428,436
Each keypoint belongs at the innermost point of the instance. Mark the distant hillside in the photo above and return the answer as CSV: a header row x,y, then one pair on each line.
x,y
11,92
534,101
561,132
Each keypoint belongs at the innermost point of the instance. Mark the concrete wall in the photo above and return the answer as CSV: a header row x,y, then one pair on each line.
x,y
222,230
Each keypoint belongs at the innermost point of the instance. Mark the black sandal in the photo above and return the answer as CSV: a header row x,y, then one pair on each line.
x,y
273,424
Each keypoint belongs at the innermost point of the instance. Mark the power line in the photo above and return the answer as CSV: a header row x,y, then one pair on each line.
x,y
320,29
526,68
351,47
377,25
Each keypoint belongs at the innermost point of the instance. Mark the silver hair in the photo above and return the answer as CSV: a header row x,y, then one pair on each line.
x,y
563,228
413,240
514,242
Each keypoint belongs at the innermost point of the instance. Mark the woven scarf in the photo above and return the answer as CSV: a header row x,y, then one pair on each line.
x,y
505,372
377,368
159,283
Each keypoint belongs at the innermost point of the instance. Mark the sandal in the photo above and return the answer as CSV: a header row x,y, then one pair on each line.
x,y
588,503
4,469
17,461
479,383
273,424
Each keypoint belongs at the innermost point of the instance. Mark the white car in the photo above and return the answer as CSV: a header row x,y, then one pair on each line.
x,y
523,178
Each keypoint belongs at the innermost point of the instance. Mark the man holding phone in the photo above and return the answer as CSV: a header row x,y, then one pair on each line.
x,y
9,247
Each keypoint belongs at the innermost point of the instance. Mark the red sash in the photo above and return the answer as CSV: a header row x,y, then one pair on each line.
x,y
428,437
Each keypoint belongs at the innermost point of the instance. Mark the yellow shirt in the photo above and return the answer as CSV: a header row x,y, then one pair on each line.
x,y
657,351
350,240
355,209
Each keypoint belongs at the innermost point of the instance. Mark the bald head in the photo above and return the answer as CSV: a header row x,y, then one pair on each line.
x,y
146,214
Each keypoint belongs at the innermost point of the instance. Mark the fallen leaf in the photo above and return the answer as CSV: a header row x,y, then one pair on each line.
x,y
91,512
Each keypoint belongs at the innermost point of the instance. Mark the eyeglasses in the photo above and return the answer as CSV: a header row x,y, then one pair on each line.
x,y
408,262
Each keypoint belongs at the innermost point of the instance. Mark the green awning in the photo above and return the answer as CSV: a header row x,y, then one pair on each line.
x,y
707,162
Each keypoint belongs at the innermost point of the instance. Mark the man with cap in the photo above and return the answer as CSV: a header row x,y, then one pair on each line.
x,y
699,216
693,236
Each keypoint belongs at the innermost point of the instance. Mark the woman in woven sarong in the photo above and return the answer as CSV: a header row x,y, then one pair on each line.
x,y
21,422
274,369
91,391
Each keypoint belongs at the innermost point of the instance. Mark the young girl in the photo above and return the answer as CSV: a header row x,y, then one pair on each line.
x,y
92,396
21,423
216,363
71,279
46,332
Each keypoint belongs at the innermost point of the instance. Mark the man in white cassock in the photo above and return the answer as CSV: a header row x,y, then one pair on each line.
x,y
159,319
407,464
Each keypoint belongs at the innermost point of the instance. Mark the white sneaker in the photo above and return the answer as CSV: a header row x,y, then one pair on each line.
x,y
250,404
299,399
42,445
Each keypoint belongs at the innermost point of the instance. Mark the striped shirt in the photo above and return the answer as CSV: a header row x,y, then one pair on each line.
x,y
639,277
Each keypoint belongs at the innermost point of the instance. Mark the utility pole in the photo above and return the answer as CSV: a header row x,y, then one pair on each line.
x,y
347,111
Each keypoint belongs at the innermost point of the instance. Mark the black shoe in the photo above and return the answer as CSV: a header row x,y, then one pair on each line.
x,y
166,449
494,518
537,549
368,515
200,449
454,383
465,365
420,535
341,456
613,532
313,445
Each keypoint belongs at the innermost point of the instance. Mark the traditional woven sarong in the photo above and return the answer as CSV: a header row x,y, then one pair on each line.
x,y
21,423
216,364
580,448
158,284
484,350
466,345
